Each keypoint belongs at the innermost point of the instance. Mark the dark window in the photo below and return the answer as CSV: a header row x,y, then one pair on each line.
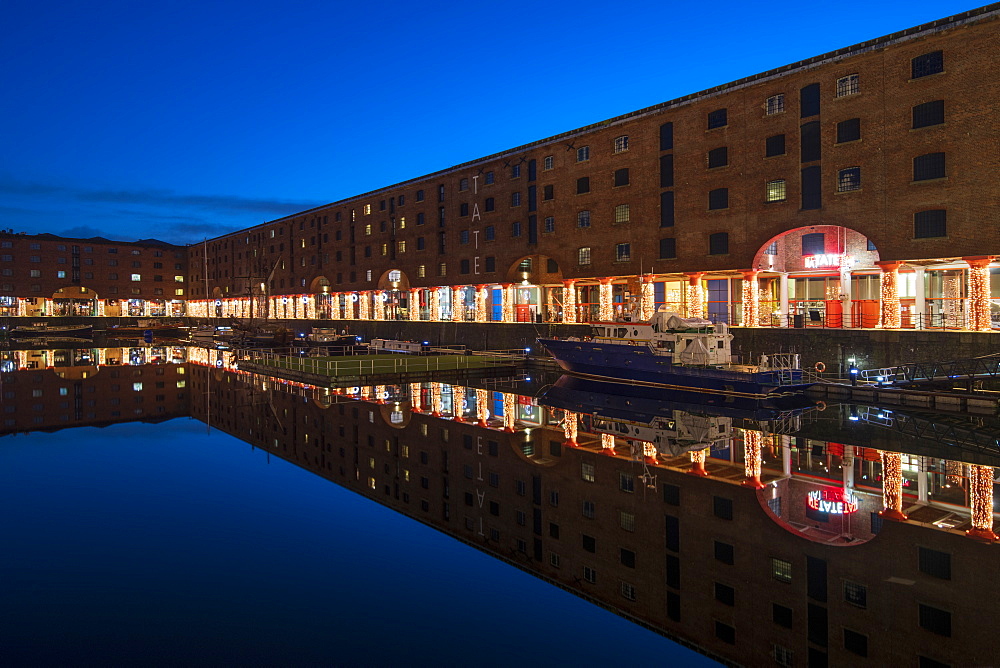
x,y
621,177
930,166
490,233
490,204
724,552
553,531
718,157
810,149
817,658
856,594
774,146
935,620
667,208
420,198
812,193
725,594
667,171
924,662
583,185
722,508
441,193
589,543
491,264
928,224
813,244
849,130
547,193
673,533
718,244
717,119
817,624
935,563
928,113
627,558
420,244
666,136
809,100
725,633
440,216
718,198
855,642
781,615
463,209
673,606
668,249
927,64
871,247
463,267
671,494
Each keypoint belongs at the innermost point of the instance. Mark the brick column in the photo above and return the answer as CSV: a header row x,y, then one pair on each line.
x,y
890,314
979,292
695,302
751,298
647,299
569,300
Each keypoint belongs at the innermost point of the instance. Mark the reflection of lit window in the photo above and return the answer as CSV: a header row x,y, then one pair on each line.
x,y
137,386
588,471
181,383
136,277
781,570
396,417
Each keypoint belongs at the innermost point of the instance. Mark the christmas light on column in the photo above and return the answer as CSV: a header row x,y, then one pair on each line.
x,y
751,300
457,403
695,296
364,300
979,293
506,302
608,444
647,300
414,304
480,303
606,311
100,307
509,411
890,315
892,486
698,462
570,422
482,407
378,305
435,295
569,301
751,458
457,303
981,501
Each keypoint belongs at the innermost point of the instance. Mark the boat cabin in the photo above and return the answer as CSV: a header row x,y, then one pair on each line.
x,y
691,341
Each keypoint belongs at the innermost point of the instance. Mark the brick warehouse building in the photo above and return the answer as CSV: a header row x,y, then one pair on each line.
x,y
856,188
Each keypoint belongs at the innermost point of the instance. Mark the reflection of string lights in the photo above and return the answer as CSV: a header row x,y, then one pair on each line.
x,y
570,429
751,299
647,302
608,444
889,291
606,312
482,407
892,486
415,404
698,462
436,403
751,458
649,454
380,394
569,301
480,303
457,402
458,303
979,296
981,495
508,412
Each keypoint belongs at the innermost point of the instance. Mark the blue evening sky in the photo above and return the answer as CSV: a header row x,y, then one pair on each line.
x,y
183,120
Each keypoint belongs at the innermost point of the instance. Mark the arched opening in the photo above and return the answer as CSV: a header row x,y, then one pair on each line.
x,y
537,280
394,289
74,301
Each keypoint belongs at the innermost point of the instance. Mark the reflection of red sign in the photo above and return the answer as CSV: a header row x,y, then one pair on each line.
x,y
833,501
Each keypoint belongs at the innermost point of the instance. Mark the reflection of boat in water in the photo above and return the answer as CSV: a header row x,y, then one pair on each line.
x,y
41,329
158,326
26,342
673,352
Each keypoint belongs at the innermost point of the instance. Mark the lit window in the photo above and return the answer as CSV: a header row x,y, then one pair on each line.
x,y
179,292
583,255
583,219
181,384
622,213
137,387
548,162
621,144
623,252
402,222
626,520
776,190
402,246
781,570
583,154
849,179
368,275
136,277
587,471
550,224
775,104
395,275
421,271
368,229
60,274
385,249
368,209
442,269
848,85
178,279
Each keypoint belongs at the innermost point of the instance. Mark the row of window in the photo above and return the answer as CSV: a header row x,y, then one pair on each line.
x,y
88,249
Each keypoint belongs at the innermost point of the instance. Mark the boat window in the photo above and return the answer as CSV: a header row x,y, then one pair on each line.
x,y
722,344
622,332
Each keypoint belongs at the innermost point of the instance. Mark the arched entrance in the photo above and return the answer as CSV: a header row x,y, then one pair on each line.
x,y
819,276
394,291
537,289
73,301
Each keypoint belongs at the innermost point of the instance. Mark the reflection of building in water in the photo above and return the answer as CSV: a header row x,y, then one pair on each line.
x,y
54,389
797,566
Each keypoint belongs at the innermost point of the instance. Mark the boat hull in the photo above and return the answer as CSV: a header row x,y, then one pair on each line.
x,y
637,364
35,331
